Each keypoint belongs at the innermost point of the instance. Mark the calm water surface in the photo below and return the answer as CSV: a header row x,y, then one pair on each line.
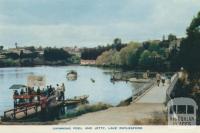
x,y
100,91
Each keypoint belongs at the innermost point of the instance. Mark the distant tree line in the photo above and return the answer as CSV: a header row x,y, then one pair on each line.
x,y
156,55
93,53
51,56
152,55
54,54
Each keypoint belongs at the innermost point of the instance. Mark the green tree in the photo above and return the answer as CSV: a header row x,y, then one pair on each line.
x,y
151,60
105,58
1,48
174,61
190,46
116,59
55,54
153,47
13,56
128,55
117,44
144,60
171,37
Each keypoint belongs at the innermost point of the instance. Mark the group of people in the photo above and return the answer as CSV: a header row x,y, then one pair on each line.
x,y
27,90
160,78
59,91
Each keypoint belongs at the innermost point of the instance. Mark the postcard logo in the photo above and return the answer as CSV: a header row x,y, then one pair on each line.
x,y
182,111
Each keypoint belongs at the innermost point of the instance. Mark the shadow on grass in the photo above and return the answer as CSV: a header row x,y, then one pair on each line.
x,y
83,109
158,118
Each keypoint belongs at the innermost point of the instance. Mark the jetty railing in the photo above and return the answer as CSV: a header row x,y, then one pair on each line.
x,y
131,74
25,111
11,114
139,92
173,82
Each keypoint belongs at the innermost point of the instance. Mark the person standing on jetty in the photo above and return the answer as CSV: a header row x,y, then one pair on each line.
x,y
158,78
22,92
38,93
58,90
15,100
163,79
63,91
50,90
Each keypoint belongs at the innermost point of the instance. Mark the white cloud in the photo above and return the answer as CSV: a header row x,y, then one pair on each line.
x,y
53,34
135,20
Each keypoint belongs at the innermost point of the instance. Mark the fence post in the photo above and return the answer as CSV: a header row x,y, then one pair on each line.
x,y
4,114
14,113
26,111
36,109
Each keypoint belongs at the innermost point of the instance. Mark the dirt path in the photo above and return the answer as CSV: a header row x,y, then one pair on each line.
x,y
157,94
150,105
119,115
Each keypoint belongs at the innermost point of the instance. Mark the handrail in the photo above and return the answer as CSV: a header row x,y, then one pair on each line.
x,y
142,89
173,81
24,109
16,108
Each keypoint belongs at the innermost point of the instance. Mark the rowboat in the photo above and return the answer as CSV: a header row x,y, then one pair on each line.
x,y
72,75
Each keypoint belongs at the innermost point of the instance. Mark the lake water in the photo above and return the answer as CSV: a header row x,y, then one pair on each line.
x,y
102,90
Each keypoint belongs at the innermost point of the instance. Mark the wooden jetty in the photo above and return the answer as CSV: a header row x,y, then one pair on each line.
x,y
30,110
20,112
75,101
130,75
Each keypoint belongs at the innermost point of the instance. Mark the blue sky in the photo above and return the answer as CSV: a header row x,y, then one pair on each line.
x,y
91,22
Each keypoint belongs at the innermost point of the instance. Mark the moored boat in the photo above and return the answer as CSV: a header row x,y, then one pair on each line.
x,y
72,75
139,80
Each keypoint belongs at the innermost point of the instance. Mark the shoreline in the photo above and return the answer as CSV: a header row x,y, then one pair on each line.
x,y
124,115
149,109
40,66
122,104
127,115
122,68
128,104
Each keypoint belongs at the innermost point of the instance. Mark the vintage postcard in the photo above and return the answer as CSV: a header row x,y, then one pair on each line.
x,y
99,66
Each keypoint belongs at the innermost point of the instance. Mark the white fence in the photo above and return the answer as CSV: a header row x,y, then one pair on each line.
x,y
173,81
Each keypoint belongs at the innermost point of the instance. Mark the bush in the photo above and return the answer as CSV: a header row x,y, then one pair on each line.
x,y
83,109
55,54
151,121
75,59
9,62
12,56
